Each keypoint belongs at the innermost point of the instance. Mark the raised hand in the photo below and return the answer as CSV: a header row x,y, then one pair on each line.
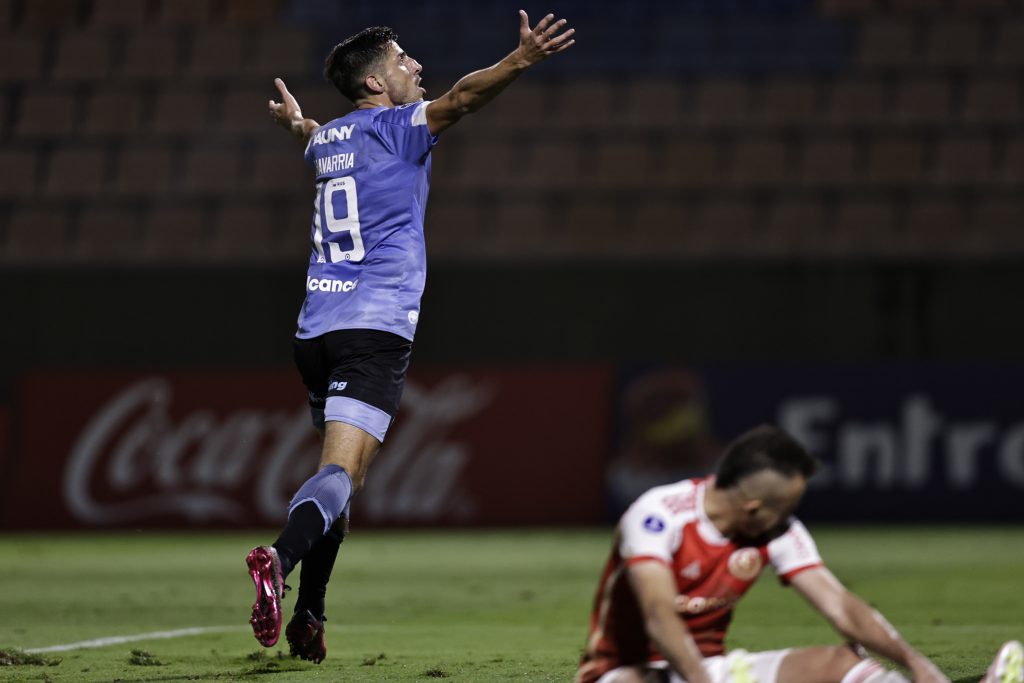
x,y
288,114
547,38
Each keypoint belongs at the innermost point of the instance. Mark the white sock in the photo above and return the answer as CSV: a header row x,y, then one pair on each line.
x,y
864,671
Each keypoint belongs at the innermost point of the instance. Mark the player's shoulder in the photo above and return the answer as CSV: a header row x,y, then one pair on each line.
x,y
412,114
677,501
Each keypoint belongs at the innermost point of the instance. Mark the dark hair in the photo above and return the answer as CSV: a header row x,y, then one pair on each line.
x,y
353,58
763,448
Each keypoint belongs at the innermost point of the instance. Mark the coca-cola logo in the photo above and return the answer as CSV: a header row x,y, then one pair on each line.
x,y
139,459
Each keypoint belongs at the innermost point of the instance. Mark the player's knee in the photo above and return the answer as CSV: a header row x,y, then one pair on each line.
x,y
839,659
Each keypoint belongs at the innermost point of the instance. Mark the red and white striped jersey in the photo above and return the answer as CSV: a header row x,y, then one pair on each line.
x,y
668,524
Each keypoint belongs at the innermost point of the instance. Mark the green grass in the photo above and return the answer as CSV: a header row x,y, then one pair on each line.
x,y
463,606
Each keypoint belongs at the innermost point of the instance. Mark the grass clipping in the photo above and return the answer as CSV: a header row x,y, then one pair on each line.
x,y
21,658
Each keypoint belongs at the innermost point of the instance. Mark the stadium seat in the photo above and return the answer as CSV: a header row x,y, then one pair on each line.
x,y
143,171
722,103
997,225
650,104
524,105
75,172
118,13
82,57
107,235
923,101
926,7
278,170
485,165
963,162
216,54
453,228
864,227
935,227
243,112
184,12
724,229
993,101
174,234
552,166
282,51
6,14
18,169
827,163
246,12
659,228
620,163
1011,171
785,103
50,14
846,8
795,227
113,113
591,229
855,103
36,235
212,170
955,43
887,43
519,229
895,162
150,56
243,234
45,114
21,58
585,104
691,164
181,111
760,163
1008,48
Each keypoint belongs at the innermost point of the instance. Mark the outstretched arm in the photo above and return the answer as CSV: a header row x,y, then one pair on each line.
x,y
655,590
480,87
858,622
288,114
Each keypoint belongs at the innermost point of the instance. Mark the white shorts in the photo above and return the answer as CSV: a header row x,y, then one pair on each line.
x,y
739,666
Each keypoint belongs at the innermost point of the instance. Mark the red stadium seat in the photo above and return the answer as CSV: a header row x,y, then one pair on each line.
x,y
143,171
150,56
691,164
45,114
118,13
82,57
181,111
174,234
212,170
924,101
21,58
36,235
895,162
827,163
216,54
108,235
760,164
18,169
855,103
887,43
963,162
994,101
76,172
113,113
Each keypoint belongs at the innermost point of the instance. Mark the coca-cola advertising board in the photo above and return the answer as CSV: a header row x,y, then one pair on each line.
x,y
228,449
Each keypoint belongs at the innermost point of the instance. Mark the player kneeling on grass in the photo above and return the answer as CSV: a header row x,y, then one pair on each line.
x,y
684,555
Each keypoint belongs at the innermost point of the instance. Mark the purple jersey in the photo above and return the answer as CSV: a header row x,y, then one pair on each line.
x,y
368,265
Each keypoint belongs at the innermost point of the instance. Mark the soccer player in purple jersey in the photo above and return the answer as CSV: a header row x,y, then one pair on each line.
x,y
363,287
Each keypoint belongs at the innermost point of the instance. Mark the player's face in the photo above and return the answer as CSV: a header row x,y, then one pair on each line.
x,y
778,497
402,75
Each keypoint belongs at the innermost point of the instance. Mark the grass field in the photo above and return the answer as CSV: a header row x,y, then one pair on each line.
x,y
466,606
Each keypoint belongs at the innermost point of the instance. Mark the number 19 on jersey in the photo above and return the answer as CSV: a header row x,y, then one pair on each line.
x,y
344,241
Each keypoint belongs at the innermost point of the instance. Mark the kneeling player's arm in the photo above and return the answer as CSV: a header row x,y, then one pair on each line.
x,y
480,87
655,589
288,114
858,622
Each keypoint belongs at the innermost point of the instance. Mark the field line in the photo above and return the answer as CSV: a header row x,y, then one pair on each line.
x,y
120,640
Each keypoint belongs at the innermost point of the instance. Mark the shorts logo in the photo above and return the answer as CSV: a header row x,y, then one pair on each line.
x,y
327,285
414,317
745,564
337,386
654,524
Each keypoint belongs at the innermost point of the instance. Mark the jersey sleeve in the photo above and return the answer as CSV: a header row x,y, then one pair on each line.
x,y
648,532
793,552
404,131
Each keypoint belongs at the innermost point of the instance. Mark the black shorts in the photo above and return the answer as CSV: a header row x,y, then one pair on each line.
x,y
354,376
